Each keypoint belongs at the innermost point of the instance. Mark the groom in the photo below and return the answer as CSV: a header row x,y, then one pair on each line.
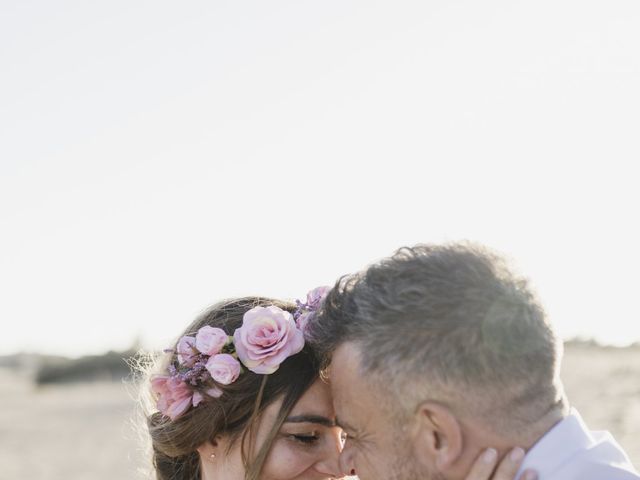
x,y
440,352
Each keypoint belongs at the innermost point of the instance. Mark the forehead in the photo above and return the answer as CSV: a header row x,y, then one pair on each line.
x,y
315,401
345,366
348,387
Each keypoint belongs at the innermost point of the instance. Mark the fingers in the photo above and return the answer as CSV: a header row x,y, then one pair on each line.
x,y
509,466
484,466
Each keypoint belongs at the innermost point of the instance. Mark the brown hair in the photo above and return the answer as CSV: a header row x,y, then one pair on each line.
x,y
452,323
237,411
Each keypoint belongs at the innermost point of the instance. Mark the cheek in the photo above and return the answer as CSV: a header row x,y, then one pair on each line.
x,y
375,461
286,462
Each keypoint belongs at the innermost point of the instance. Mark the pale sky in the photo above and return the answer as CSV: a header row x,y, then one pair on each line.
x,y
158,156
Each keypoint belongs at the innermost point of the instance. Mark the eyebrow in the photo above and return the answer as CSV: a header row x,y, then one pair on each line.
x,y
324,421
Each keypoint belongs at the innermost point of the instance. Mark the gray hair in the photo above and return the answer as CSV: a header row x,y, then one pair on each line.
x,y
450,323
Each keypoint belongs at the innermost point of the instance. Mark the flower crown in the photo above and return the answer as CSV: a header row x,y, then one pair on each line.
x,y
267,337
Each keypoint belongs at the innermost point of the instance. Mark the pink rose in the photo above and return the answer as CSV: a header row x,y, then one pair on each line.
x,y
316,296
223,368
210,340
187,352
267,337
174,395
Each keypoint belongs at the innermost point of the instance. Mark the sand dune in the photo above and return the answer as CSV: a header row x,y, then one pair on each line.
x,y
83,431
604,385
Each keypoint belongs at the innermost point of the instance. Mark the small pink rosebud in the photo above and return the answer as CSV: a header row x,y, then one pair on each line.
x,y
223,368
187,351
210,340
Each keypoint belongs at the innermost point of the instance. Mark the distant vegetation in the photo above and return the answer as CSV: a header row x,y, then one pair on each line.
x,y
588,342
27,361
110,366
46,369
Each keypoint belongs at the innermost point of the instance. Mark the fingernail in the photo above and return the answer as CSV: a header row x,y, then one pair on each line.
x,y
530,475
516,455
490,455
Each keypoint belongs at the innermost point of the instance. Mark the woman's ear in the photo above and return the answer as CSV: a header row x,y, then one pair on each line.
x,y
437,436
211,449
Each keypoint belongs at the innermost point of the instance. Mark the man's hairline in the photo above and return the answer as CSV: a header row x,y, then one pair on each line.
x,y
372,377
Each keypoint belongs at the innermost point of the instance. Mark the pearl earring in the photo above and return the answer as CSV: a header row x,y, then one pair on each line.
x,y
212,457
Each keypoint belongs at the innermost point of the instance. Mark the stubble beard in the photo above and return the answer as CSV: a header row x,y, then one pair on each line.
x,y
411,470
407,467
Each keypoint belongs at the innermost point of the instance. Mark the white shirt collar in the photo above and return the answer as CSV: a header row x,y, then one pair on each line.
x,y
558,445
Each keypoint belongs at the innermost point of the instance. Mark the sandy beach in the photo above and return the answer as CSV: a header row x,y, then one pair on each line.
x,y
81,431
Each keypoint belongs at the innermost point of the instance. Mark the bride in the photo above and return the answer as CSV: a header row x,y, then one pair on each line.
x,y
239,397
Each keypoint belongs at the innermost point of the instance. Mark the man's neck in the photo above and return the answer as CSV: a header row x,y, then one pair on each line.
x,y
525,437
529,438
479,436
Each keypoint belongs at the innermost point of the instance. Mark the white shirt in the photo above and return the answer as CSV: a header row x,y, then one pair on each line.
x,y
570,451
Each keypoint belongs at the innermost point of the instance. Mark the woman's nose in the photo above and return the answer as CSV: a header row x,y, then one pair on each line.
x,y
329,465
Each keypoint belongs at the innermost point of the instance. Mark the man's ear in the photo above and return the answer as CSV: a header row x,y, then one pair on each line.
x,y
437,436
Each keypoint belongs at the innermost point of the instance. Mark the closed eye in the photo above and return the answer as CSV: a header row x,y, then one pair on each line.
x,y
306,439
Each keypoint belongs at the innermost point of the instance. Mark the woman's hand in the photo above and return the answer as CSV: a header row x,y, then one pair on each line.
x,y
484,468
